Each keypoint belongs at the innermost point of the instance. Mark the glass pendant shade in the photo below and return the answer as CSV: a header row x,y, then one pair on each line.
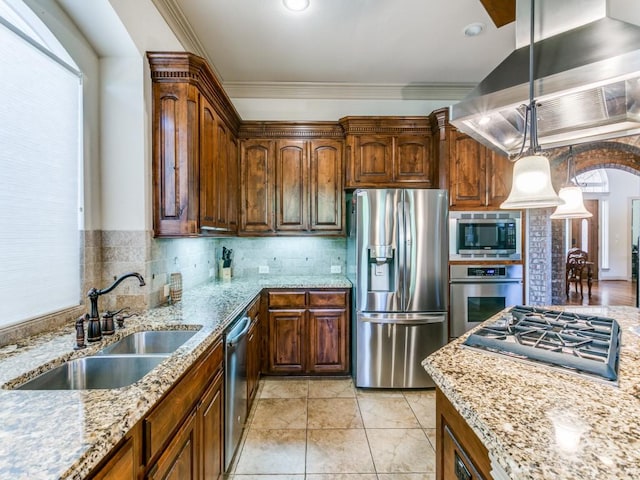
x,y
532,186
573,204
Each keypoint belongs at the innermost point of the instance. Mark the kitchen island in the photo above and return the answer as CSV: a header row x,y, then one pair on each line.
x,y
538,422
67,433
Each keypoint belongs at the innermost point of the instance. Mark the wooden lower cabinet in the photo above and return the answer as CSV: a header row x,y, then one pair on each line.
x,y
182,437
327,340
123,463
210,416
308,331
179,461
460,455
253,360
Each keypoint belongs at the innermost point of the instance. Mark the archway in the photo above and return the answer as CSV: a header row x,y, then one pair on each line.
x,y
622,154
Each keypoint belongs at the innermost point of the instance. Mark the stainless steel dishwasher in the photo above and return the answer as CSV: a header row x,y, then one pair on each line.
x,y
235,385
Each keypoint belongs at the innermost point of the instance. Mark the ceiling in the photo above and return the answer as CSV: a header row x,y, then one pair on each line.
x,y
256,46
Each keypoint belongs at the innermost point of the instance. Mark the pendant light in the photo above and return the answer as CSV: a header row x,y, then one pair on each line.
x,y
572,195
531,186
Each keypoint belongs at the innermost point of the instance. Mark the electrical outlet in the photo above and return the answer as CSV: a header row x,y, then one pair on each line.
x,y
166,290
263,269
336,269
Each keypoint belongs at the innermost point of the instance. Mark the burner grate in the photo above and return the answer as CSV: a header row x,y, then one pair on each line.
x,y
583,343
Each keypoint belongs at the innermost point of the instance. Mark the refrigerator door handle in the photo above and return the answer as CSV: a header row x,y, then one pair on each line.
x,y
403,319
401,253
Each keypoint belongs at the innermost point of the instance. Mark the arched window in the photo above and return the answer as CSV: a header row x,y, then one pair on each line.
x,y
593,181
40,157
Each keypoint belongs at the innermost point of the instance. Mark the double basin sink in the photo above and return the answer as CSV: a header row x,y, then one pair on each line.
x,y
117,365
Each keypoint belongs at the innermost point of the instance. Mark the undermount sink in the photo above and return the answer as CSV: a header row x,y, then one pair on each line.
x,y
95,372
149,342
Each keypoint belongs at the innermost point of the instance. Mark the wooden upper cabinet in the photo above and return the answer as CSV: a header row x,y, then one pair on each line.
x,y
390,152
467,172
193,122
292,166
499,178
303,193
218,173
326,186
209,176
413,159
257,186
222,139
233,182
175,160
478,176
373,160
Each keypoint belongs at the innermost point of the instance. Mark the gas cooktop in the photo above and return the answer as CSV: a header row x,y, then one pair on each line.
x,y
584,344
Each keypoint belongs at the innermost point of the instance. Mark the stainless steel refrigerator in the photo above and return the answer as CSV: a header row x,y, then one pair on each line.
x,y
397,254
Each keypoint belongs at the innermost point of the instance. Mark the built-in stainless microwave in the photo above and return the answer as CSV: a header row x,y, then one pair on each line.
x,y
482,234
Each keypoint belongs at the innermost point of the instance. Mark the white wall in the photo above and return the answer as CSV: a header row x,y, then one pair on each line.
x,y
329,109
622,186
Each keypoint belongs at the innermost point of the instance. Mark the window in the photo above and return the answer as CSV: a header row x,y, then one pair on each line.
x,y
40,187
595,181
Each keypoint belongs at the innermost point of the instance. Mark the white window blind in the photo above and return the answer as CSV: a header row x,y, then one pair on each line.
x,y
39,184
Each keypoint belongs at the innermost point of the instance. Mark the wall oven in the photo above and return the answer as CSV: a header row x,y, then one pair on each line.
x,y
479,291
485,235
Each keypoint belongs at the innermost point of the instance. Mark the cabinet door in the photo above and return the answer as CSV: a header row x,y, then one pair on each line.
x,y
326,186
233,181
328,341
256,178
292,191
175,160
286,333
467,172
413,163
373,162
222,178
123,463
209,175
499,177
253,360
211,420
179,461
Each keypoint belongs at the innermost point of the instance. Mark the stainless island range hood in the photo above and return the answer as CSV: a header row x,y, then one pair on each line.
x,y
587,71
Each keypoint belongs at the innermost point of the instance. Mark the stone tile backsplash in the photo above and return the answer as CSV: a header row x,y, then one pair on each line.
x,y
285,255
106,255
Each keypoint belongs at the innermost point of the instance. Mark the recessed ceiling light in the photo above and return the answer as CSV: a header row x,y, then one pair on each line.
x,y
473,29
296,5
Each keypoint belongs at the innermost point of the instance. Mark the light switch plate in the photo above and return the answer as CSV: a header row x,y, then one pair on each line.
x,y
263,269
336,269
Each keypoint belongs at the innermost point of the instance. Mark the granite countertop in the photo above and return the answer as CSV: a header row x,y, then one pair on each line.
x,y
64,434
527,416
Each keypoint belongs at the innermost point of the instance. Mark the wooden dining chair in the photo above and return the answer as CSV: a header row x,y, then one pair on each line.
x,y
575,267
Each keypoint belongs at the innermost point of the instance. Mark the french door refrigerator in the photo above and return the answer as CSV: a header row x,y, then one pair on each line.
x,y
397,254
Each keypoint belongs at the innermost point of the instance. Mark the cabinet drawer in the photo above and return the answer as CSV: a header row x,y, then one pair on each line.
x,y
287,299
328,299
168,414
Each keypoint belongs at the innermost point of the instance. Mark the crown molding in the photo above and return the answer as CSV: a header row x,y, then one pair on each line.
x,y
343,91
177,21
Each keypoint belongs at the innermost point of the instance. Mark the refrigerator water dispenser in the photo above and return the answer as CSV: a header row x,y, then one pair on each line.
x,y
381,268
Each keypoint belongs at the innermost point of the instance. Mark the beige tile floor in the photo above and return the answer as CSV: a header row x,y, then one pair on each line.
x,y
325,429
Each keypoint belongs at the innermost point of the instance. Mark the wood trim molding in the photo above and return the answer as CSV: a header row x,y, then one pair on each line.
x,y
182,66
386,125
274,129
